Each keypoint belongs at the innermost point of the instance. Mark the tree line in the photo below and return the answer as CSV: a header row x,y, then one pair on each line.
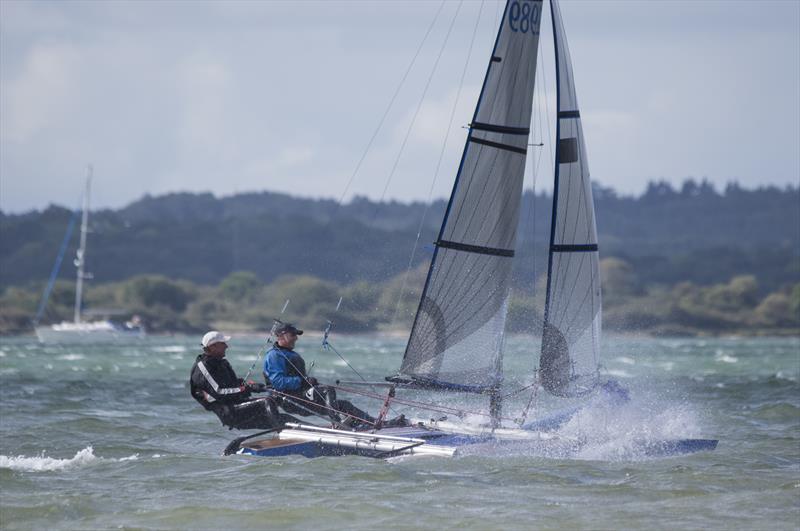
x,y
242,301
692,236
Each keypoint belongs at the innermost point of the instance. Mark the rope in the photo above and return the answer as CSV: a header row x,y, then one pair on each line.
x,y
317,404
355,371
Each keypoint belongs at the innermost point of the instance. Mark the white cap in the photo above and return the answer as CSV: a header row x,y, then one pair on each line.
x,y
214,337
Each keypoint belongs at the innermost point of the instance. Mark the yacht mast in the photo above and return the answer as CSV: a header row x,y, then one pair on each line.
x,y
80,258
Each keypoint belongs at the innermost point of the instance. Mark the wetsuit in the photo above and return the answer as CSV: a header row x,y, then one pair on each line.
x,y
285,371
215,385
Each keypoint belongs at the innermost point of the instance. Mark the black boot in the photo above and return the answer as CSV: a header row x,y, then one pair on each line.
x,y
397,422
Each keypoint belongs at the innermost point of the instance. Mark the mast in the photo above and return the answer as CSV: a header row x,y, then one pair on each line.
x,y
457,336
80,257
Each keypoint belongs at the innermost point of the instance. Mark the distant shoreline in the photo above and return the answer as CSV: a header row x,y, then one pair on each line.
x,y
398,334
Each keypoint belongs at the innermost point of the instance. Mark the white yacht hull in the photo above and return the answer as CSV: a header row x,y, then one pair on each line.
x,y
94,332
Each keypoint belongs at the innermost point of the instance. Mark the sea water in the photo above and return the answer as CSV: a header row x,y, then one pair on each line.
x,y
107,437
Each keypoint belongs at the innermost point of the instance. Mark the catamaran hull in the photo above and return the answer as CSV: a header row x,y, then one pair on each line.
x,y
311,441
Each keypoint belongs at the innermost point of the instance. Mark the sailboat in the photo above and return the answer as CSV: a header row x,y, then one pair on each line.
x,y
79,330
456,341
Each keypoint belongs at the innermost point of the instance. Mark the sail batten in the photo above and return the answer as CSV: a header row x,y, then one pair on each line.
x,y
458,330
506,129
569,360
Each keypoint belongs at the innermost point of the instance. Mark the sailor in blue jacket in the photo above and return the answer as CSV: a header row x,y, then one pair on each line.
x,y
301,394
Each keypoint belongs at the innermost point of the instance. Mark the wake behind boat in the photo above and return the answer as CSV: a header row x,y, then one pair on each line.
x,y
457,338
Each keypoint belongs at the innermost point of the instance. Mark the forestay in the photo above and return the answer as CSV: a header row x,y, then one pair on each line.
x,y
458,331
570,344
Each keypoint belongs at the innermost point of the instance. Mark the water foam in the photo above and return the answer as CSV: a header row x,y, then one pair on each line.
x,y
42,463
46,464
725,357
170,348
626,432
71,357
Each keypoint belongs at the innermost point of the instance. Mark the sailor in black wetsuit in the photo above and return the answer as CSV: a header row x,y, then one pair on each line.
x,y
215,385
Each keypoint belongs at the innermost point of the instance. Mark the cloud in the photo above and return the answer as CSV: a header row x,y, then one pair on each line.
x,y
174,95
434,116
39,96
204,92
291,160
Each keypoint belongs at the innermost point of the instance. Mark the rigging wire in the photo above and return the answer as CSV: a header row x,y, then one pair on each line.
x,y
327,345
275,323
416,112
388,108
438,164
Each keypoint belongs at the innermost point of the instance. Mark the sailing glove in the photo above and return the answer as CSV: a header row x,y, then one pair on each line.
x,y
256,387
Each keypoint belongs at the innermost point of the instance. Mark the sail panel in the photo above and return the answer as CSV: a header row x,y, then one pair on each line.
x,y
569,360
458,331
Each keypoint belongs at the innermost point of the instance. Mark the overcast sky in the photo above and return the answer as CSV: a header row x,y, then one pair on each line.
x,y
231,96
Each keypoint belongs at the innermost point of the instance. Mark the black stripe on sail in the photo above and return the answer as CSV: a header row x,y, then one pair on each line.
x,y
575,248
569,114
505,129
477,249
496,59
498,145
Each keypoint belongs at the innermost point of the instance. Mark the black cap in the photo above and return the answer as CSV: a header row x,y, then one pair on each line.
x,y
288,327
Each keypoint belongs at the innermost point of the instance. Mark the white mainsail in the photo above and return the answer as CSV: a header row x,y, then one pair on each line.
x,y
458,331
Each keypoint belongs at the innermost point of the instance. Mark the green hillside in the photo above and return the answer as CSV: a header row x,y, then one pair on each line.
x,y
667,248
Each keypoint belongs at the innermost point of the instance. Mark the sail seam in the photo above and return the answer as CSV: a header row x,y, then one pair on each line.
x,y
477,249
498,145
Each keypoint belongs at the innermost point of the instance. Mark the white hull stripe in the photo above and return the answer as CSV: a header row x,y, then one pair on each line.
x,y
215,385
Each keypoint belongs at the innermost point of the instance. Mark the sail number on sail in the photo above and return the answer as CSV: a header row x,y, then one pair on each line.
x,y
524,16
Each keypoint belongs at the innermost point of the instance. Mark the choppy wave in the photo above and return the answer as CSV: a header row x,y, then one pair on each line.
x,y
170,348
71,357
725,357
43,463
